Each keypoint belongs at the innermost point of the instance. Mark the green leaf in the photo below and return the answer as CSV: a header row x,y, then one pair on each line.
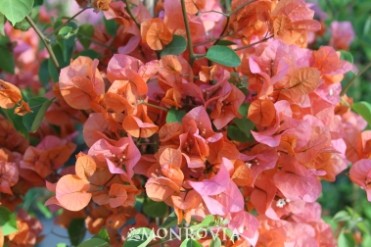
x,y
216,242
44,76
89,53
208,221
62,245
39,106
111,26
53,71
76,231
177,46
171,221
103,234
67,46
154,209
223,55
8,223
240,130
44,210
16,10
174,115
16,121
346,240
366,241
6,52
190,243
225,42
363,108
67,32
342,216
84,35
96,242
2,23
139,237
234,133
22,25
367,26
243,109
33,201
38,3
347,56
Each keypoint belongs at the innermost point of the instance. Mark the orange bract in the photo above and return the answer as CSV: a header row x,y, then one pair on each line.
x,y
292,20
302,81
81,83
101,4
72,192
262,112
139,124
161,188
251,20
85,166
118,195
10,95
193,6
155,34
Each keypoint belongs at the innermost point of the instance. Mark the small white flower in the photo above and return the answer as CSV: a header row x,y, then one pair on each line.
x,y
281,203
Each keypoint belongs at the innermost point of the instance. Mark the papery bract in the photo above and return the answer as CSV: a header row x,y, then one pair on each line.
x,y
121,156
72,192
360,174
81,83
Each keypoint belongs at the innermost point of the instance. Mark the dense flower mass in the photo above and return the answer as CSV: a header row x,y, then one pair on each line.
x,y
190,109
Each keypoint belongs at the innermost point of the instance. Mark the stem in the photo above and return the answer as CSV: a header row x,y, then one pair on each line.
x,y
350,83
154,106
130,13
159,242
150,4
188,32
252,44
71,19
224,29
45,40
97,42
332,9
58,235
241,7
210,40
213,11
228,5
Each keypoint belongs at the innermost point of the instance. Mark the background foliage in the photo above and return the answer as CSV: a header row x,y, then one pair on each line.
x,y
344,204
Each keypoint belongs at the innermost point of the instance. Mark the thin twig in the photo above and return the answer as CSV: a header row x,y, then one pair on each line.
x,y
152,105
97,42
127,7
350,83
210,40
45,40
241,7
71,19
188,32
228,16
224,29
228,5
212,11
332,9
254,43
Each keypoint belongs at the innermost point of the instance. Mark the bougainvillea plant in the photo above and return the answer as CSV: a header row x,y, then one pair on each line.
x,y
175,122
